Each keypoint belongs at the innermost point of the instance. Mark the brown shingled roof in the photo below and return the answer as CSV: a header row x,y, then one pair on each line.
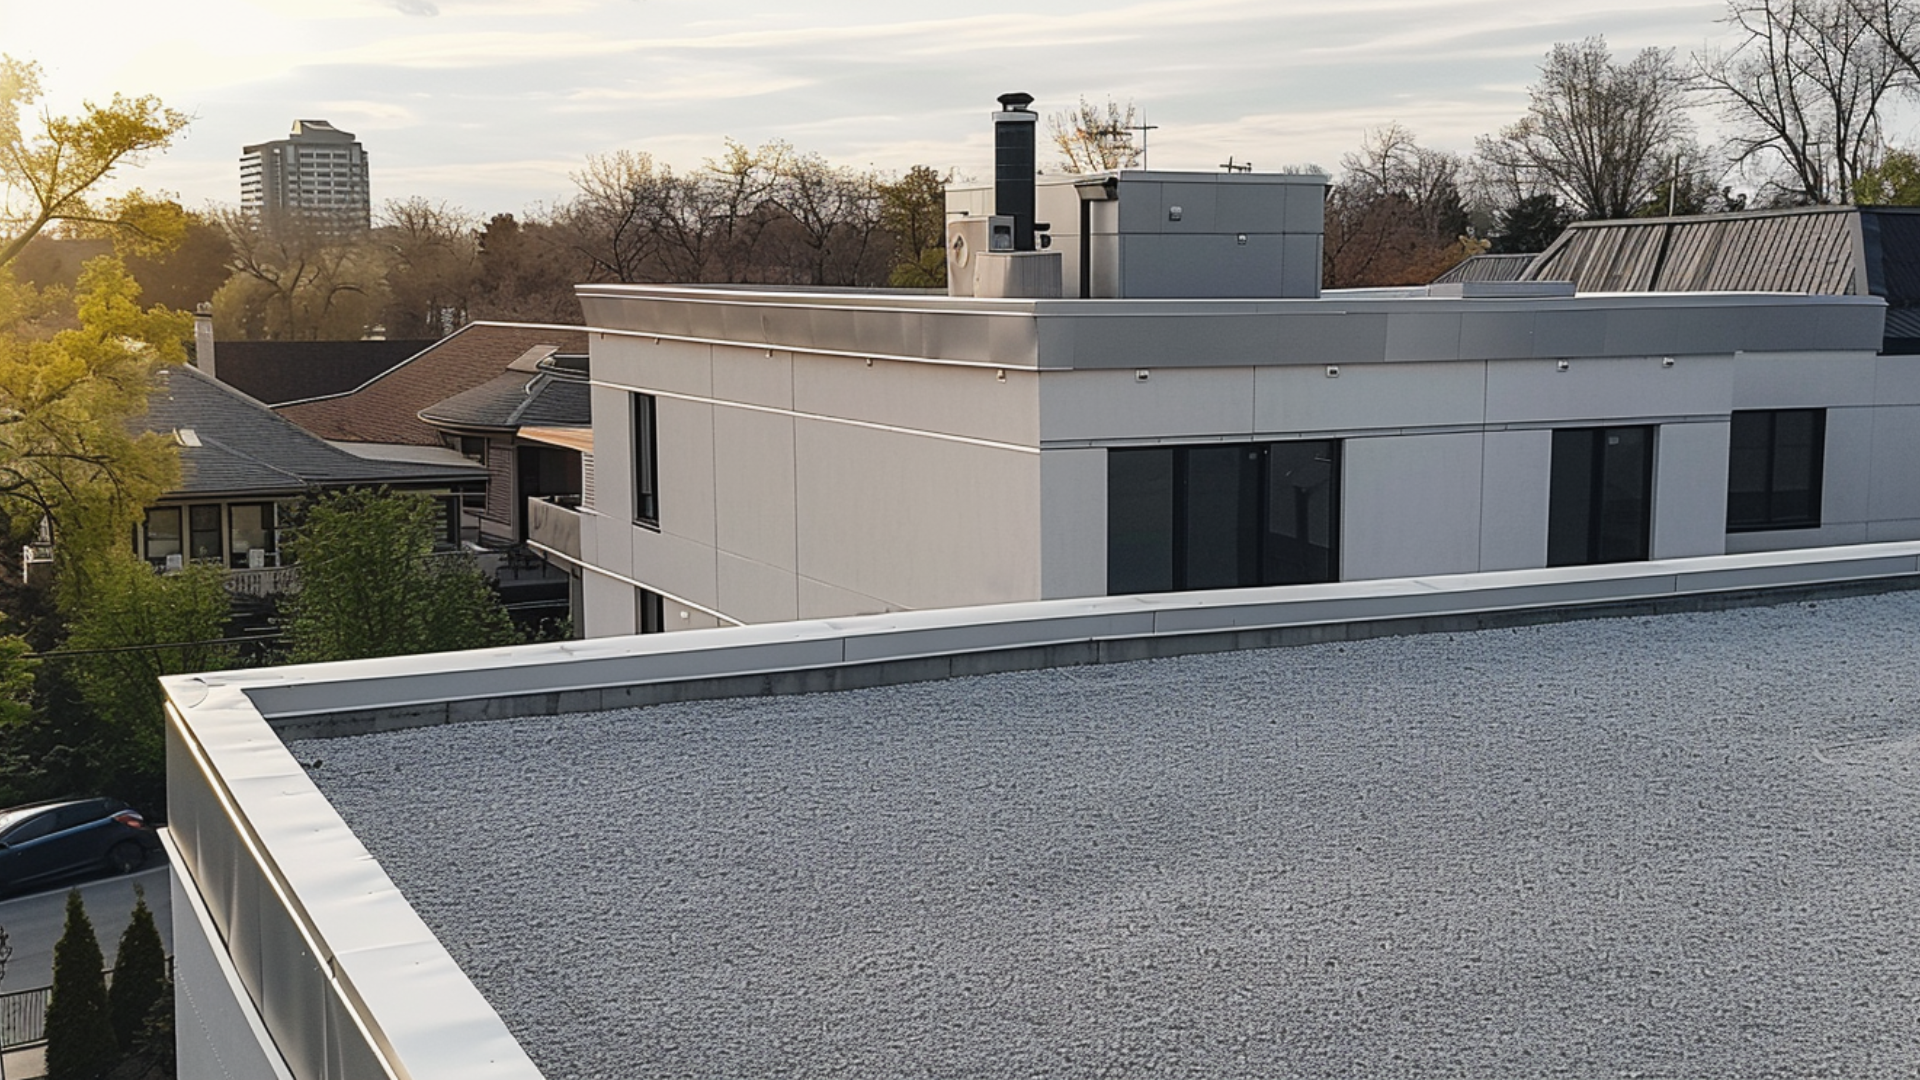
x,y
386,409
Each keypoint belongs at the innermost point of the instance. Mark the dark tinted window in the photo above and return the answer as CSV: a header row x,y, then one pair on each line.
x,y
1599,502
646,462
1139,521
80,814
203,524
1211,517
33,828
1774,465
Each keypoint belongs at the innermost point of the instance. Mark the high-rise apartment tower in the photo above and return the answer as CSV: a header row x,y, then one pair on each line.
x,y
318,174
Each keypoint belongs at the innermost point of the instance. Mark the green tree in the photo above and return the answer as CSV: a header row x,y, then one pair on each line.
x,y
1893,182
371,584
49,168
80,1042
139,973
913,210
295,281
128,609
66,452
1529,225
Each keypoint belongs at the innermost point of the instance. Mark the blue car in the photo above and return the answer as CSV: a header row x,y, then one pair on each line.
x,y
46,842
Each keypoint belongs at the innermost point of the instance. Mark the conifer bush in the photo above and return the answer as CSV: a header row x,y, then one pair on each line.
x,y
80,1042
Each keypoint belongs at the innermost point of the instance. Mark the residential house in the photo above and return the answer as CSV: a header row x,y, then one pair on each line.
x,y
382,418
242,469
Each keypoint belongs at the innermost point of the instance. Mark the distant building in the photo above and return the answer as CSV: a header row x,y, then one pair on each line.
x,y
317,174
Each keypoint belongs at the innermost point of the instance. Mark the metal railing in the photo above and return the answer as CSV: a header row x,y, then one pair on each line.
x,y
23,1018
23,1014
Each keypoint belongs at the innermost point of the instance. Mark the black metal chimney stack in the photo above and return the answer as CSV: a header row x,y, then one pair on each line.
x,y
1013,165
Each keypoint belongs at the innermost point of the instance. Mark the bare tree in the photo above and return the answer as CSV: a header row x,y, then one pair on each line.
x,y
433,266
1803,91
295,282
1597,135
1095,138
613,213
1897,24
1396,216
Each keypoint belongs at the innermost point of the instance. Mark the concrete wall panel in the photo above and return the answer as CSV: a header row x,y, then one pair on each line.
x,y
1786,381
1897,380
755,592
1894,492
1073,523
685,445
966,401
1690,490
1494,335
753,469
1423,336
930,523
680,565
819,600
1368,397
753,376
1846,474
1610,391
1885,531
606,606
1410,505
1172,403
678,367
1516,476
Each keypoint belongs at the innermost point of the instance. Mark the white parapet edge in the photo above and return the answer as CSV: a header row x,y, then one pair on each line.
x,y
405,995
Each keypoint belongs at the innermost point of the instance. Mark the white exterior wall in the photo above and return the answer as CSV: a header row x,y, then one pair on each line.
x,y
1418,494
1870,487
887,460
798,486
1410,505
1689,490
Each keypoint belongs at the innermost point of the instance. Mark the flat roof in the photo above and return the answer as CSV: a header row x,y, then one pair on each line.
x,y
1681,844
1362,326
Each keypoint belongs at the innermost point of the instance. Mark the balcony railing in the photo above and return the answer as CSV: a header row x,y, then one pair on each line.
x,y
553,522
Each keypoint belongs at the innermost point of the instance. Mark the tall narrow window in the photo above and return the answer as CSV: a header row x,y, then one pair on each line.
x,y
251,529
1600,496
203,532
649,611
1774,465
1214,517
163,533
646,462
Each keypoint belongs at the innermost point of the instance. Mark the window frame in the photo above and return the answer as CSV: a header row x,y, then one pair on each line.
x,y
178,537
1255,549
1772,518
646,460
1597,529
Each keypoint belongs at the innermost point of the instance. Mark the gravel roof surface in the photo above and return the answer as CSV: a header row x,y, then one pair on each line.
x,y
1673,846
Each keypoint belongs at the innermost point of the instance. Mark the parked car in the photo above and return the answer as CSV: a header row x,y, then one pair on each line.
x,y
45,842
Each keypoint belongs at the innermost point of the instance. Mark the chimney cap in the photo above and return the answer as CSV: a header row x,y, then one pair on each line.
x,y
1015,102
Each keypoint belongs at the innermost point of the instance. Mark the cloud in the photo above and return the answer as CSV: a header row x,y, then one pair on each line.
x,y
414,7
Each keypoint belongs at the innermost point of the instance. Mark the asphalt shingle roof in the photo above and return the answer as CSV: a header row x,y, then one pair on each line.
x,y
278,372
516,399
245,448
386,409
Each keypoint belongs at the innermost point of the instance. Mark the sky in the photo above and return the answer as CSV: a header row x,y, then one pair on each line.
x,y
490,104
